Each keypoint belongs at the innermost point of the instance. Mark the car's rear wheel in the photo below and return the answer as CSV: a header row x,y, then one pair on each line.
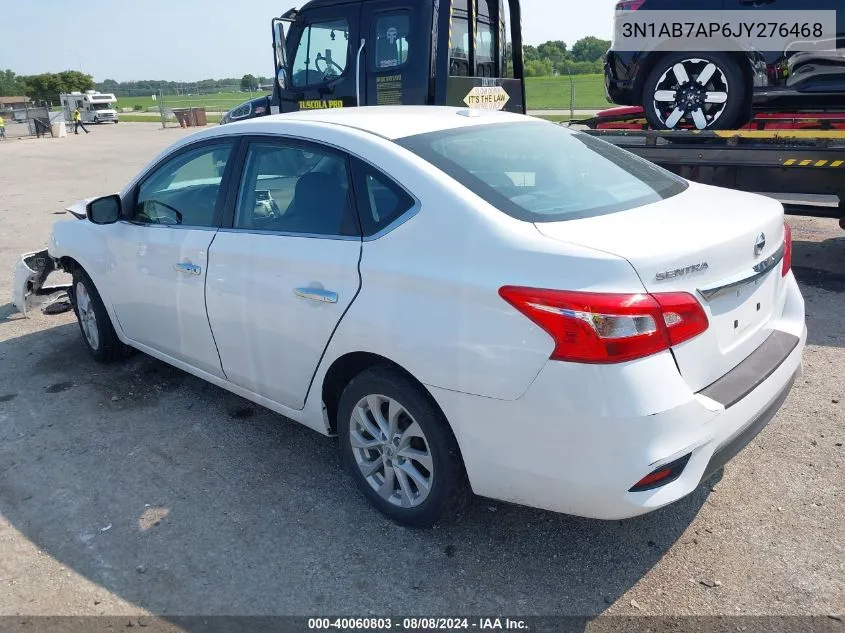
x,y
399,448
700,90
97,331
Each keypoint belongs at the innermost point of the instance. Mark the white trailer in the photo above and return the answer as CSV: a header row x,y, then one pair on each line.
x,y
94,107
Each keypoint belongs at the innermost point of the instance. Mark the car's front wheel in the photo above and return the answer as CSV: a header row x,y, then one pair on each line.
x,y
702,91
97,331
399,448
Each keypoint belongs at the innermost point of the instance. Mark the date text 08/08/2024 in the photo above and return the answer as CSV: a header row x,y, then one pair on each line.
x,y
418,624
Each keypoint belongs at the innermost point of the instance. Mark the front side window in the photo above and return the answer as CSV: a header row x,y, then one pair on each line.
x,y
185,189
322,53
459,40
295,189
485,56
504,41
485,61
392,40
540,172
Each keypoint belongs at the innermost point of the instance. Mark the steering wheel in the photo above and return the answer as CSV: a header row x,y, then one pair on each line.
x,y
330,66
164,219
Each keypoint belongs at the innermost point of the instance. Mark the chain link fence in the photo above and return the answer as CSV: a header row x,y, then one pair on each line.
x,y
27,119
188,106
566,95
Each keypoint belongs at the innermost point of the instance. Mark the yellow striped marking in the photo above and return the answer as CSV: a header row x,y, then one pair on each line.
x,y
820,134
793,162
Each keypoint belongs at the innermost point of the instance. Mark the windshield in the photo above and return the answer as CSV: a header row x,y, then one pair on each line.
x,y
541,172
101,106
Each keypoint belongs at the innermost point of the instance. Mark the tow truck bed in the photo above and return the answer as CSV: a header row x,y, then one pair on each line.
x,y
803,168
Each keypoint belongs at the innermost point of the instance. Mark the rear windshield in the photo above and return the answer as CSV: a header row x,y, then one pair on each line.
x,y
540,172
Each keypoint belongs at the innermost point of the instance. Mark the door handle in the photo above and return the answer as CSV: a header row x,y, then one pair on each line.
x,y
187,268
316,294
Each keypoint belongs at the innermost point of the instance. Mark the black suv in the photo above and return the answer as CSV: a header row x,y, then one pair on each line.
x,y
721,90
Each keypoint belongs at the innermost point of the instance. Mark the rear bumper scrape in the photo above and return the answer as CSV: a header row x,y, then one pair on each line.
x,y
30,289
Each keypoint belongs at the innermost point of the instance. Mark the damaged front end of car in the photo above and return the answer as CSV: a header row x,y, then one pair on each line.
x,y
31,289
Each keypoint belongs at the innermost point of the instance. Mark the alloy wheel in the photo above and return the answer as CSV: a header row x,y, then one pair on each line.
x,y
695,90
87,317
391,451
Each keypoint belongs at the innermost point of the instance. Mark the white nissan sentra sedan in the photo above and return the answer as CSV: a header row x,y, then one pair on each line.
x,y
470,301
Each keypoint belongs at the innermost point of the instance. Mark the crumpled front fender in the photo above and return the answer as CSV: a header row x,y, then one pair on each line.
x,y
29,288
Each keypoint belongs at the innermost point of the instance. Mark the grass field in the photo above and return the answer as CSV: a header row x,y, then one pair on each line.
x,y
218,102
137,118
543,93
552,93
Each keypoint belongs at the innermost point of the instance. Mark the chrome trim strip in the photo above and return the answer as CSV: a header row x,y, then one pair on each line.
x,y
410,213
345,238
172,227
358,73
759,271
316,294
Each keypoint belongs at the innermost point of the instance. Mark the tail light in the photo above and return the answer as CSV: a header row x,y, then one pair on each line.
x,y
662,476
624,6
787,250
609,328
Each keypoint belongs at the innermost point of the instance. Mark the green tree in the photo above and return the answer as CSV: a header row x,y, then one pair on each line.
x,y
538,68
589,49
529,53
553,52
10,84
48,86
249,82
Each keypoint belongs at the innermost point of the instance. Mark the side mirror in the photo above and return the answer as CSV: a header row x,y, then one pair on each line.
x,y
282,79
105,210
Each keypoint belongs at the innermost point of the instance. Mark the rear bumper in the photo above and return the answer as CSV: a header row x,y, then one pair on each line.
x,y
618,83
582,436
731,448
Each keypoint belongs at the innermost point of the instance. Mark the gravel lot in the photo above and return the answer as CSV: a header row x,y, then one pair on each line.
x,y
138,489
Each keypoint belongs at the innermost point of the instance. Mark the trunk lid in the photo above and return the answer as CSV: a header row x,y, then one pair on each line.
x,y
705,241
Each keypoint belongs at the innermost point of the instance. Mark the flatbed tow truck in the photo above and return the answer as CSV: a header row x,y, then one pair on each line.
x,y
796,158
347,53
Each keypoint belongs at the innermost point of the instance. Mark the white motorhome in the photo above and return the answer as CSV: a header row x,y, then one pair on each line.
x,y
95,107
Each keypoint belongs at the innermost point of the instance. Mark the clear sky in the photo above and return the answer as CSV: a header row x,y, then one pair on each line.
x,y
187,40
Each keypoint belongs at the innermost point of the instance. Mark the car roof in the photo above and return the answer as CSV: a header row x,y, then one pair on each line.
x,y
392,122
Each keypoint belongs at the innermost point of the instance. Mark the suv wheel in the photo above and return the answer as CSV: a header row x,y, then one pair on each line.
x,y
705,91
399,449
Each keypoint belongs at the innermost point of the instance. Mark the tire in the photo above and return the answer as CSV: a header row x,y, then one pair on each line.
x,y
409,503
725,81
94,323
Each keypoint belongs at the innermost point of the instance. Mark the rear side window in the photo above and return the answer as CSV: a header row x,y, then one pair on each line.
x,y
392,39
541,172
380,200
295,189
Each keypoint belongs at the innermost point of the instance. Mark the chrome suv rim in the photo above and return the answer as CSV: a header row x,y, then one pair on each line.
x,y
693,90
391,451
87,318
